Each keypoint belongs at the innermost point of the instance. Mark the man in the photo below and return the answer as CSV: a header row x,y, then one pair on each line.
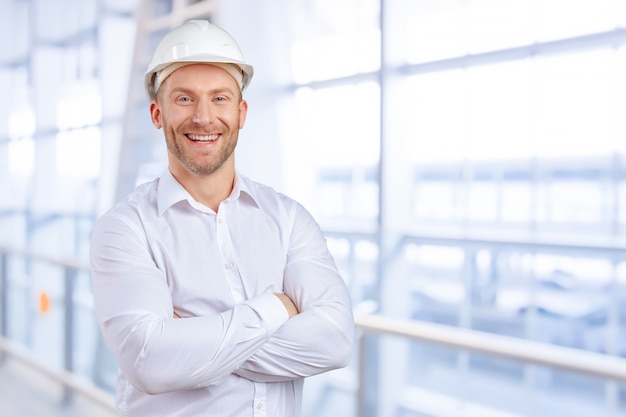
x,y
216,294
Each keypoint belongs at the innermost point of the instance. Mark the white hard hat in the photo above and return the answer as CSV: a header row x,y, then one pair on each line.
x,y
196,41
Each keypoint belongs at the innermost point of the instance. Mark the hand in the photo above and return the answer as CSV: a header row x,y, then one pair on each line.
x,y
289,305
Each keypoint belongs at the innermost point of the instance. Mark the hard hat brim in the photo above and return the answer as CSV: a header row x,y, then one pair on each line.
x,y
149,76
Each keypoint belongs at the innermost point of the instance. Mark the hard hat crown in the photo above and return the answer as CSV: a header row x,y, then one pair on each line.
x,y
196,41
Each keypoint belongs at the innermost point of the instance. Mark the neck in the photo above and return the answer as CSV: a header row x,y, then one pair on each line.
x,y
208,190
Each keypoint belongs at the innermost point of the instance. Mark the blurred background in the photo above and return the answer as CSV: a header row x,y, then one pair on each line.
x,y
465,159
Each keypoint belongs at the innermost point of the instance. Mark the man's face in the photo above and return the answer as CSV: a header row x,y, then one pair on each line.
x,y
200,109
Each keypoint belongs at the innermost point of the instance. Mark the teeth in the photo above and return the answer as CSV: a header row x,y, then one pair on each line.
x,y
205,138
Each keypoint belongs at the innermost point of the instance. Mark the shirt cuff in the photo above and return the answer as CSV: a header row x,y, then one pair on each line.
x,y
271,310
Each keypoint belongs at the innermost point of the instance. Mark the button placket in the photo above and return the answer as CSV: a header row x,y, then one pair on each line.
x,y
226,249
259,406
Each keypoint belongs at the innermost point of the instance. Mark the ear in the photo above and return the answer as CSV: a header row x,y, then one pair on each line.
x,y
155,114
243,112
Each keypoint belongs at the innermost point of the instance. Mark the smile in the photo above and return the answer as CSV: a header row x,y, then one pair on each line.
x,y
203,138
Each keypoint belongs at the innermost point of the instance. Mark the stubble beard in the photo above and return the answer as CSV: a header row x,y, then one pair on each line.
x,y
204,165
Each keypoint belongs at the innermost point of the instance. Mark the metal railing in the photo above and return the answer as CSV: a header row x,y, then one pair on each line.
x,y
521,350
71,382
525,351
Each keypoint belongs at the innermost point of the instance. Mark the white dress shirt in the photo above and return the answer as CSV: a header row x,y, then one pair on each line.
x,y
234,352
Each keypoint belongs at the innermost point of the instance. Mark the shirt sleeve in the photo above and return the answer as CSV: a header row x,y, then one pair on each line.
x,y
156,352
321,337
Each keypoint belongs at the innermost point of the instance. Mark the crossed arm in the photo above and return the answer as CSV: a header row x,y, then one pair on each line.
x,y
304,331
291,308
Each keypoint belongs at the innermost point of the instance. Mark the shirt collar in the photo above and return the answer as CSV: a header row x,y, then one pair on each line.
x,y
170,192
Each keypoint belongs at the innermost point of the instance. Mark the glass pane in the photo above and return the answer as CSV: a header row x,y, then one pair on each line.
x,y
334,39
78,153
437,288
574,103
437,30
324,127
432,101
558,19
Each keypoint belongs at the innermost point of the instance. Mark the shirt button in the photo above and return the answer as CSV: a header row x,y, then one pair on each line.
x,y
220,221
259,405
228,265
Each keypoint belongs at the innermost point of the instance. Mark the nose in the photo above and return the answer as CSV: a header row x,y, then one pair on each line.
x,y
204,113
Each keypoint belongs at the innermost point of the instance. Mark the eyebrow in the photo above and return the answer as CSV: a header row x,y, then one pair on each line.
x,y
210,92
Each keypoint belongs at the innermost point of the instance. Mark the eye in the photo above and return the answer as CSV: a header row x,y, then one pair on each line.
x,y
184,99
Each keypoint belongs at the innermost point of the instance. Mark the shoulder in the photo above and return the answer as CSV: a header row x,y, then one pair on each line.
x,y
120,235
284,208
266,196
140,203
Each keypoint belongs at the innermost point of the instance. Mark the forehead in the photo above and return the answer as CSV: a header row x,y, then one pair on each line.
x,y
201,76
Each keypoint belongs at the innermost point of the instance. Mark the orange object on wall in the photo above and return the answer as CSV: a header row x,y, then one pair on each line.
x,y
44,303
